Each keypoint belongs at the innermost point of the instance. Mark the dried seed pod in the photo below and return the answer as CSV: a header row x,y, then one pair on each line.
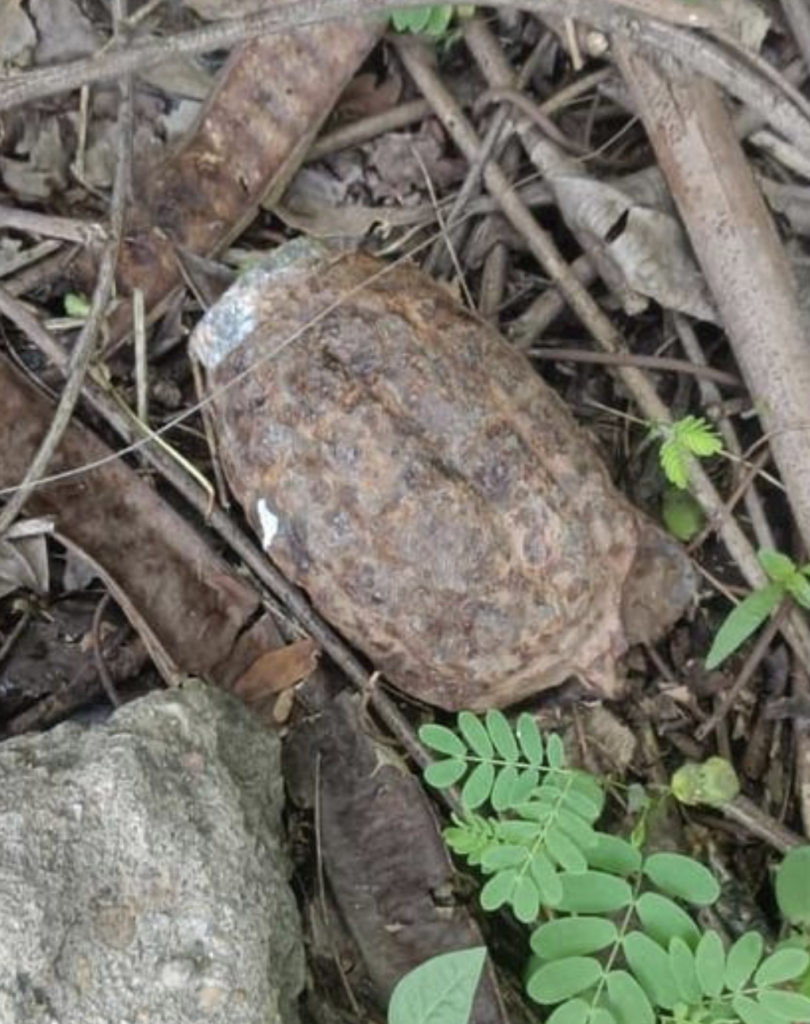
x,y
416,477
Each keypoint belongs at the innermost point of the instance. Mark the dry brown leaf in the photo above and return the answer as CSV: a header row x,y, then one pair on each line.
x,y
24,565
64,33
275,671
366,94
17,35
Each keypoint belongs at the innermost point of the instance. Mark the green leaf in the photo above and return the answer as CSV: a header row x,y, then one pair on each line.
x,y
573,936
789,1005
444,774
478,786
76,305
743,621
525,786
547,879
799,589
714,783
750,1012
682,514
697,436
783,965
628,1000
779,1002
691,435
664,920
650,965
682,963
779,567
576,1011
582,784
710,963
530,739
562,979
439,991
682,877
504,788
582,834
564,852
594,893
793,886
440,20
496,858
555,751
412,19
673,463
513,831
615,855
472,729
526,900
742,960
500,732
442,740
498,890
581,804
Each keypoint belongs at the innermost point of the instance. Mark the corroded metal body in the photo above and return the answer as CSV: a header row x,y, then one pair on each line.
x,y
415,476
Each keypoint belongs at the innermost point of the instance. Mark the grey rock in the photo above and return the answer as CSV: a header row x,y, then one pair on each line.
x,y
142,874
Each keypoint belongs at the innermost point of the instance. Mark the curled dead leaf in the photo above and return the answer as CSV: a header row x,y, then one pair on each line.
x,y
278,670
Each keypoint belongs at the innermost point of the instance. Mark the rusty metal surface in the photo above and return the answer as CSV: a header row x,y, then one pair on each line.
x,y
417,478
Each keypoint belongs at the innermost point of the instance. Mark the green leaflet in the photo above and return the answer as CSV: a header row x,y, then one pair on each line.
x,y
784,965
628,1000
664,920
682,877
786,579
684,972
651,967
742,960
793,886
710,964
594,893
743,622
562,979
573,936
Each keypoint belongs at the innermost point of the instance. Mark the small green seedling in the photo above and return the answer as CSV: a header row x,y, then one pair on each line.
x,y
76,305
713,783
786,580
689,437
430,20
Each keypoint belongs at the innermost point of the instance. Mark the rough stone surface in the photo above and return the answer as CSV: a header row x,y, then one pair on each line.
x,y
142,877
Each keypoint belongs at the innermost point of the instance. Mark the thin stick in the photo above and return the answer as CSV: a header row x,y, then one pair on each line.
x,y
727,63
98,653
84,351
662,363
70,229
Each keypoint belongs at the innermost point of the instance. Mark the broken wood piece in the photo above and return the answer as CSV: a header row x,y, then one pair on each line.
x,y
272,97
372,815
187,604
737,245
